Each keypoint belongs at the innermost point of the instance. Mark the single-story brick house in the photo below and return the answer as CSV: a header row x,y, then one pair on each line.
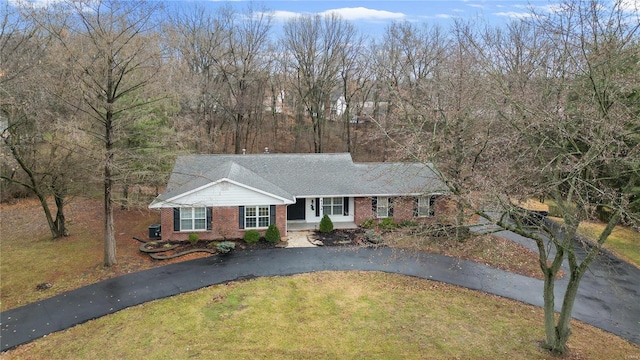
x,y
222,196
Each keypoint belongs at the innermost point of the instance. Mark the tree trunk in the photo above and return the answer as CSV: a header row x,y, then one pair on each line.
x,y
460,220
109,237
57,226
60,222
348,125
238,134
317,135
125,196
549,309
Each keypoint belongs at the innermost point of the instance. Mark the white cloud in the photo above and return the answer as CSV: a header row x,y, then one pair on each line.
x,y
362,13
32,3
357,13
515,15
284,15
444,16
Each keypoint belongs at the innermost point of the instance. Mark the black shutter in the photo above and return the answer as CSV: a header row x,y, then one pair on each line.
x,y
390,207
374,206
432,200
416,205
241,217
272,214
176,219
209,216
317,207
345,204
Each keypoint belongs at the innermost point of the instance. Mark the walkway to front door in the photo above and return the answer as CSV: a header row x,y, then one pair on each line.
x,y
298,239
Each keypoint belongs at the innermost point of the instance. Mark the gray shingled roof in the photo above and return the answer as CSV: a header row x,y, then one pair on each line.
x,y
303,175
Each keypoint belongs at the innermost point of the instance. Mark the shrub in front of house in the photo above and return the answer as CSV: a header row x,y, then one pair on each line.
x,y
408,223
193,238
326,225
373,237
225,247
252,236
273,234
387,224
368,224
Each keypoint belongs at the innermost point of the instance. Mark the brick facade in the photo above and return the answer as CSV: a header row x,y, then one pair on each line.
x,y
403,208
225,224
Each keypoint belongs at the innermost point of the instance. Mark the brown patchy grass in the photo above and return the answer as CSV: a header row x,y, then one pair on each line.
x,y
326,315
29,257
488,249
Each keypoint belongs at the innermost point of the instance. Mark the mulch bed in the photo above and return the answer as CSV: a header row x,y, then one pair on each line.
x,y
341,237
164,250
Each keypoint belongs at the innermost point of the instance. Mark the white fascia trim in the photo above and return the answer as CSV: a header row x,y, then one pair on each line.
x,y
286,201
167,203
368,195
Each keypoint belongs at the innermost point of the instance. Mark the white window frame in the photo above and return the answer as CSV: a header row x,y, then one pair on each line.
x,y
384,208
188,214
332,203
424,209
258,216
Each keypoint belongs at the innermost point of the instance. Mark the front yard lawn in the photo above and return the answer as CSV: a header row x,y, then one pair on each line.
x,y
326,315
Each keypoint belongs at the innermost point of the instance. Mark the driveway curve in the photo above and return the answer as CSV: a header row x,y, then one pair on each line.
x,y
605,309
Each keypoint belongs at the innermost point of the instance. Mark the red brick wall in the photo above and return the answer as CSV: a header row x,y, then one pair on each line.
x,y
225,224
362,210
402,209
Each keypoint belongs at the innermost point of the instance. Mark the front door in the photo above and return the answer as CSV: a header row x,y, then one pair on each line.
x,y
296,211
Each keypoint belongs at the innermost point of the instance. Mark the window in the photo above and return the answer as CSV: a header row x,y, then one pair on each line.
x,y
382,207
193,219
256,217
424,206
332,206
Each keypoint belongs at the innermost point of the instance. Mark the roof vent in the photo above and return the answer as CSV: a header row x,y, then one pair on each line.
x,y
244,151
266,150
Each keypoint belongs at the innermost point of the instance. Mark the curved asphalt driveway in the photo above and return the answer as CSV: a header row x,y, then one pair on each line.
x,y
600,306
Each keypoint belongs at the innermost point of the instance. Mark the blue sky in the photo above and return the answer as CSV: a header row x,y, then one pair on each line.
x,y
372,16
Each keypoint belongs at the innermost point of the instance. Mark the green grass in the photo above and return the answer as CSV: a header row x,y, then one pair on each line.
x,y
327,315
624,242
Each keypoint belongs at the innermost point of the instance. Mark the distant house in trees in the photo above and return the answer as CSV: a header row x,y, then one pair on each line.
x,y
360,112
222,196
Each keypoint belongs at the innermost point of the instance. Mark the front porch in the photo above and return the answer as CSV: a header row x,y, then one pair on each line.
x,y
303,225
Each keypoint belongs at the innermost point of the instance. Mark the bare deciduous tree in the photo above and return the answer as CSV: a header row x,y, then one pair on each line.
x,y
110,60
314,46
561,85
38,147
